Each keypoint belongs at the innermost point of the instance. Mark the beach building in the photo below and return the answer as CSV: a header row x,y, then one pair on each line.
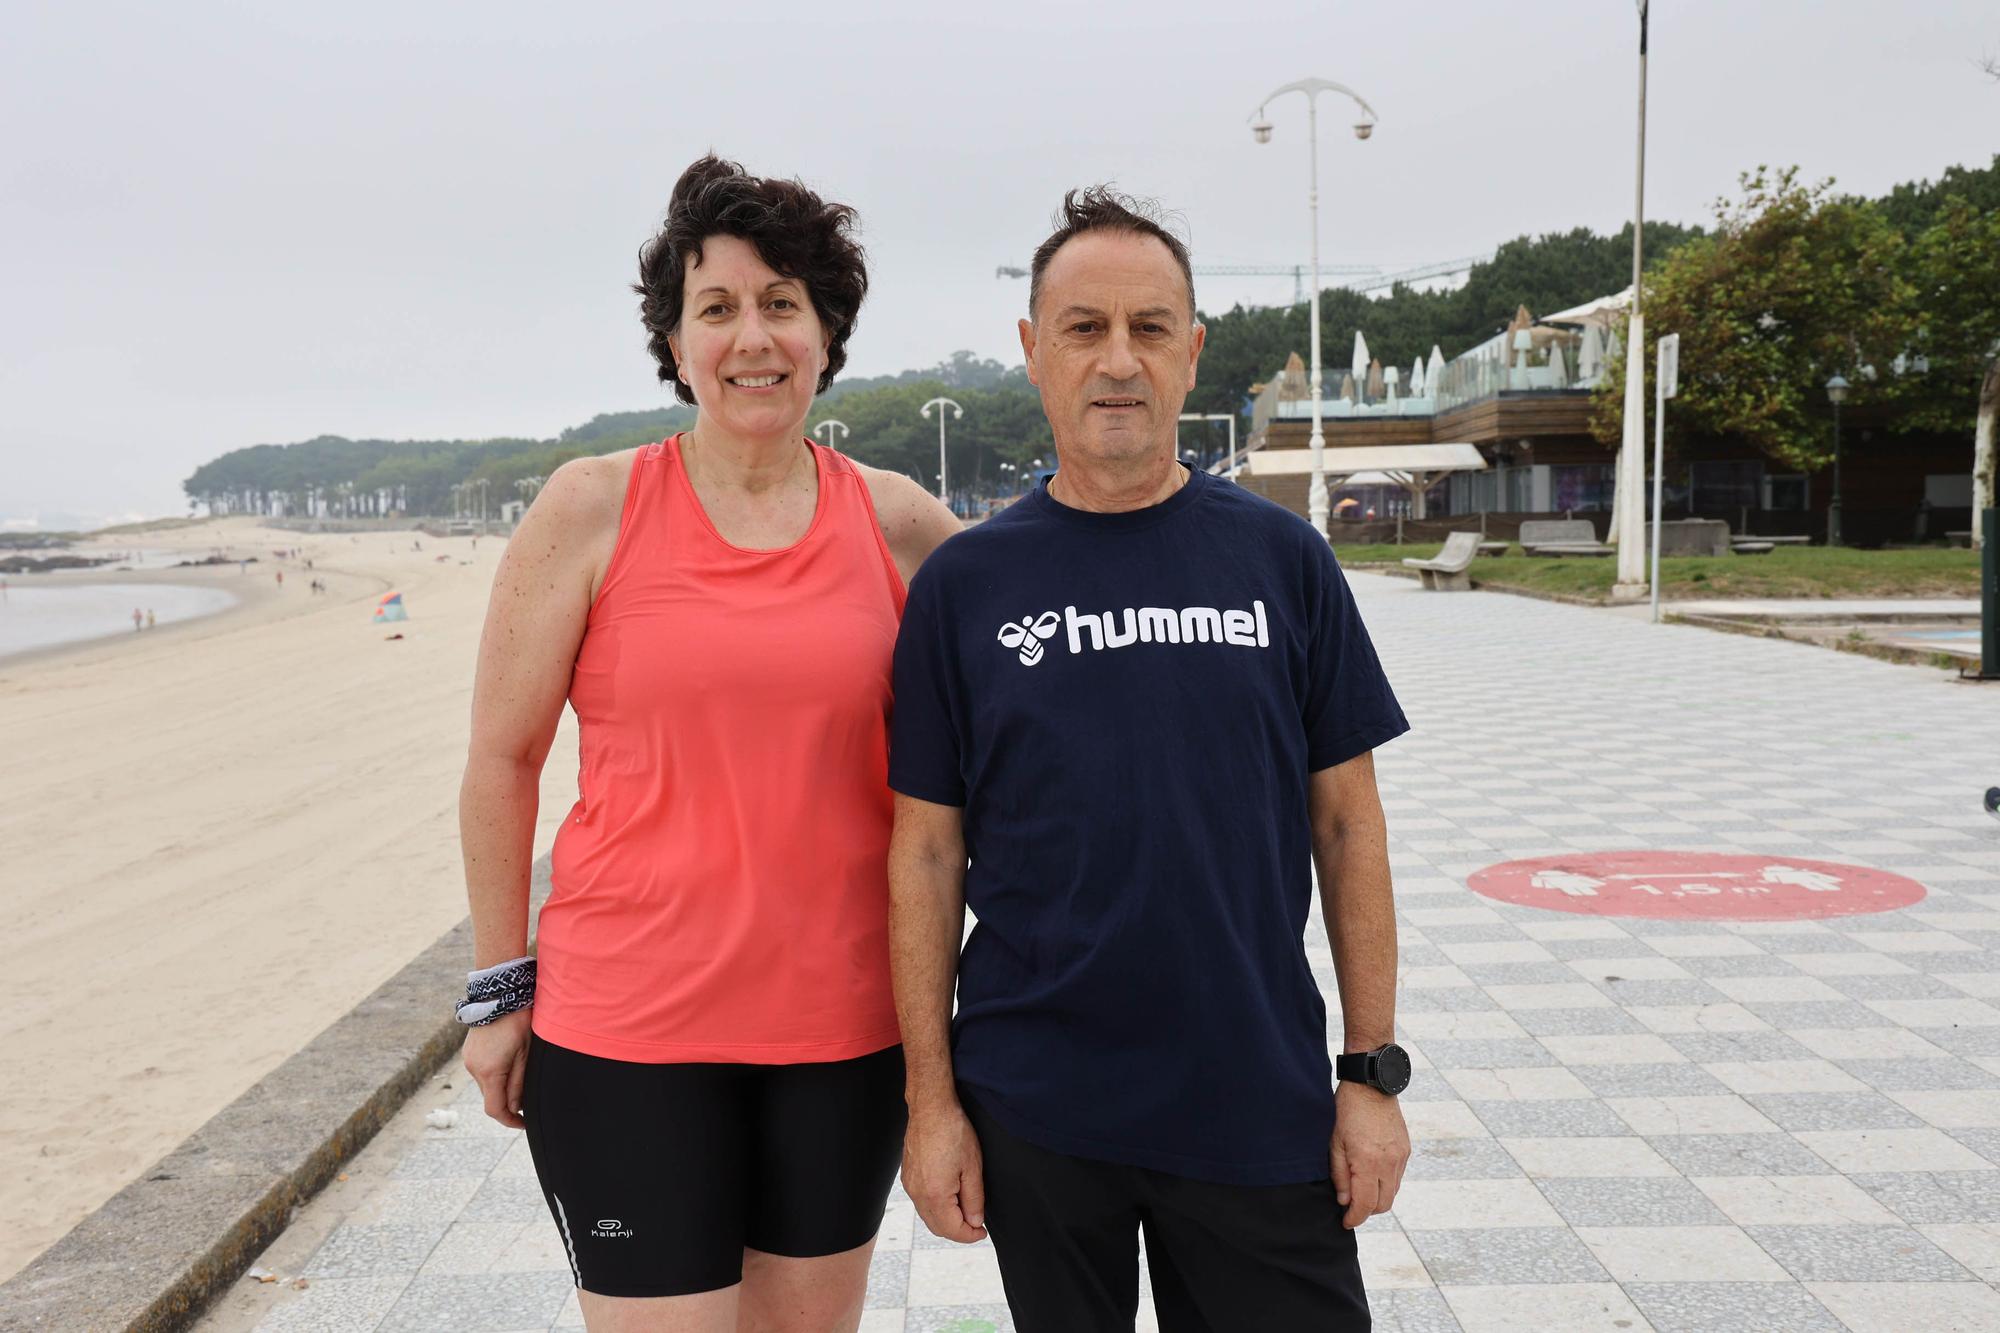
x,y
1501,434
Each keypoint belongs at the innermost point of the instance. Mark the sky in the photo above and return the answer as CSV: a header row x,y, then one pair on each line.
x,y
232,224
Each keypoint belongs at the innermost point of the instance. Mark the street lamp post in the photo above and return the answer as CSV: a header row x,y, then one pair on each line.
x,y
957,413
831,427
1629,503
1836,393
1260,128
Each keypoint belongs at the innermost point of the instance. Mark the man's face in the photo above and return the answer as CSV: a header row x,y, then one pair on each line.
x,y
1112,346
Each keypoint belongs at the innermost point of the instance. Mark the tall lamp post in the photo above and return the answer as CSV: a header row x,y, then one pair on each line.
x,y
1260,127
957,412
1629,513
830,426
1836,393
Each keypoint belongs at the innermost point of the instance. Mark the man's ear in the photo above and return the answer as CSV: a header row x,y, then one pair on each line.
x,y
1027,328
1199,340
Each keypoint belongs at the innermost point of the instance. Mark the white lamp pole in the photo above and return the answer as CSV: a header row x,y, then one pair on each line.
x,y
940,404
830,426
1629,510
1260,127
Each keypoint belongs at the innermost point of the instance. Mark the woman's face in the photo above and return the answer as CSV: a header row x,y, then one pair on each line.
x,y
749,345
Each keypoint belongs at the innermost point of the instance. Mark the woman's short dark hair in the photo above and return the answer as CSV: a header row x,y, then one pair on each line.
x,y
792,229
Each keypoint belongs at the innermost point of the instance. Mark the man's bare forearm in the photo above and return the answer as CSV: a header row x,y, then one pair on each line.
x,y
926,925
1360,910
497,804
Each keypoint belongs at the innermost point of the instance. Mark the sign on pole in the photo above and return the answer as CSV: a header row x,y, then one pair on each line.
x,y
1665,383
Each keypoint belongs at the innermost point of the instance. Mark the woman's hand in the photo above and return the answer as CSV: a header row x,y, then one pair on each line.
x,y
496,1055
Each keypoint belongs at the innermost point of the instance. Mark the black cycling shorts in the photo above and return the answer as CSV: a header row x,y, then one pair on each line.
x,y
660,1176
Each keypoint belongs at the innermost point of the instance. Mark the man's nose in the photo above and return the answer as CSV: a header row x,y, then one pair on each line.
x,y
1119,361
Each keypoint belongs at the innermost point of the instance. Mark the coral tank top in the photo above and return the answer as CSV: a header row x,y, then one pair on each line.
x,y
720,889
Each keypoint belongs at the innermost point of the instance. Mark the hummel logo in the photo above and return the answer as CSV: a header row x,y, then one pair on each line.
x,y
1139,624
1028,635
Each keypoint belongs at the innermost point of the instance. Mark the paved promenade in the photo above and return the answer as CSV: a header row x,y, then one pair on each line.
x,y
1621,1123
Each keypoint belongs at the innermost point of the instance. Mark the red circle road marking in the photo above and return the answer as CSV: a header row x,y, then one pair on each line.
x,y
1695,886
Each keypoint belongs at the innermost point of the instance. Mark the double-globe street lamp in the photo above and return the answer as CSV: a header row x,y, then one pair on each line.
x,y
830,426
957,412
1260,127
1836,393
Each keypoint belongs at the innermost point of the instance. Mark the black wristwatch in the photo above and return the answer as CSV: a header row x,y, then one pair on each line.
x,y
1385,1069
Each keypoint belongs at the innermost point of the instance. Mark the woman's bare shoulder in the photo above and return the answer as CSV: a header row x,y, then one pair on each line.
x,y
913,520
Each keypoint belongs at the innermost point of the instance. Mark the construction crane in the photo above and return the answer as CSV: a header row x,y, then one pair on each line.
x,y
1366,277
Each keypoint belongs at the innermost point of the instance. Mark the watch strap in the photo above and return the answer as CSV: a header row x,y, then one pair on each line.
x,y
1354,1068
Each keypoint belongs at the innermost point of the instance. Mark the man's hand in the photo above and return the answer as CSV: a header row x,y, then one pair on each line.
x,y
496,1055
944,1174
1371,1146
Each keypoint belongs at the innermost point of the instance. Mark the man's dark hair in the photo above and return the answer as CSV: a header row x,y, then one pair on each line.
x,y
792,229
1101,208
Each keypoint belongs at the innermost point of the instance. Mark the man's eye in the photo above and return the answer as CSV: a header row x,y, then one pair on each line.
x,y
1086,326
1152,328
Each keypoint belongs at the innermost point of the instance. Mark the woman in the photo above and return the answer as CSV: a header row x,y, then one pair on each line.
x,y
710,1074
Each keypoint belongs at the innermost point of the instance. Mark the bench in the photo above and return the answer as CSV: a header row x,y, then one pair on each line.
x,y
1494,548
1561,536
1446,573
1750,548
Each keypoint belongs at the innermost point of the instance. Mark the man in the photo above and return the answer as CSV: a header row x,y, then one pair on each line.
x,y
1137,700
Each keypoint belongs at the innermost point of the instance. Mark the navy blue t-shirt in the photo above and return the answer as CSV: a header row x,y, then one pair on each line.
x,y
1128,706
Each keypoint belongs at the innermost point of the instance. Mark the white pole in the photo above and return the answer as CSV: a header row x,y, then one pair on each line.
x,y
1235,463
1316,492
1629,514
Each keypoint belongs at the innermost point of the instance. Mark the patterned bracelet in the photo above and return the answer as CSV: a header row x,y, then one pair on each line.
x,y
493,992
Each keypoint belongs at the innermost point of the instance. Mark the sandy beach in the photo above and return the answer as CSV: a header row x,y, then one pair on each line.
x,y
217,836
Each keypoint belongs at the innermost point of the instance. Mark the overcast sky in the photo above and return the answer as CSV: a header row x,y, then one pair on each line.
x,y
227,224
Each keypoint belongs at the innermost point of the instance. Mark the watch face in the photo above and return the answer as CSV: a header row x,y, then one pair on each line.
x,y
1392,1069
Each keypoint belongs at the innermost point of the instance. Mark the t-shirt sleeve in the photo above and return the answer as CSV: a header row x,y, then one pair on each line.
x,y
1350,708
925,743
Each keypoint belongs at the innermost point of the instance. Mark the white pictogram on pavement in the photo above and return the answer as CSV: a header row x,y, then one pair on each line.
x,y
1814,881
1567,882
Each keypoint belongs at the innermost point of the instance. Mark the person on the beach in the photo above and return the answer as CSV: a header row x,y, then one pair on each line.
x,y
1142,701
138,620
149,617
711,1074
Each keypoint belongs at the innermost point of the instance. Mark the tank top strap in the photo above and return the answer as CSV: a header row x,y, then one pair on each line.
x,y
851,513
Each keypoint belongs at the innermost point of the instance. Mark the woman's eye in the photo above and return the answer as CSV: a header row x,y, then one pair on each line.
x,y
783,303
715,309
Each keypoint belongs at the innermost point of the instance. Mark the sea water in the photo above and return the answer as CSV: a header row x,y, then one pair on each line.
x,y
41,615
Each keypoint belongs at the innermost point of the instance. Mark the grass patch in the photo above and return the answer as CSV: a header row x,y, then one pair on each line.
x,y
1788,572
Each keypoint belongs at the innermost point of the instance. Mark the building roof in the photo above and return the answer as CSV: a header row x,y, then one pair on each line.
x,y
1435,459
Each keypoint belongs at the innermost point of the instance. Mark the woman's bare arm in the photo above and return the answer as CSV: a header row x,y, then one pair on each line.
x,y
527,651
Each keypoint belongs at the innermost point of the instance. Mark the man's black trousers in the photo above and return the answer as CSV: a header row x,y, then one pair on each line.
x,y
1224,1258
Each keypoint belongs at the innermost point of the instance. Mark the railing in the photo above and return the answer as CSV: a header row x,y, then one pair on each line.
x,y
1552,362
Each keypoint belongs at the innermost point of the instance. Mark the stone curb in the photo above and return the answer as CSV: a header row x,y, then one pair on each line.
x,y
162,1248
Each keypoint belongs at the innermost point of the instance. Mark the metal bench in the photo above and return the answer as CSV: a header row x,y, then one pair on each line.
x,y
1447,572
1561,536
